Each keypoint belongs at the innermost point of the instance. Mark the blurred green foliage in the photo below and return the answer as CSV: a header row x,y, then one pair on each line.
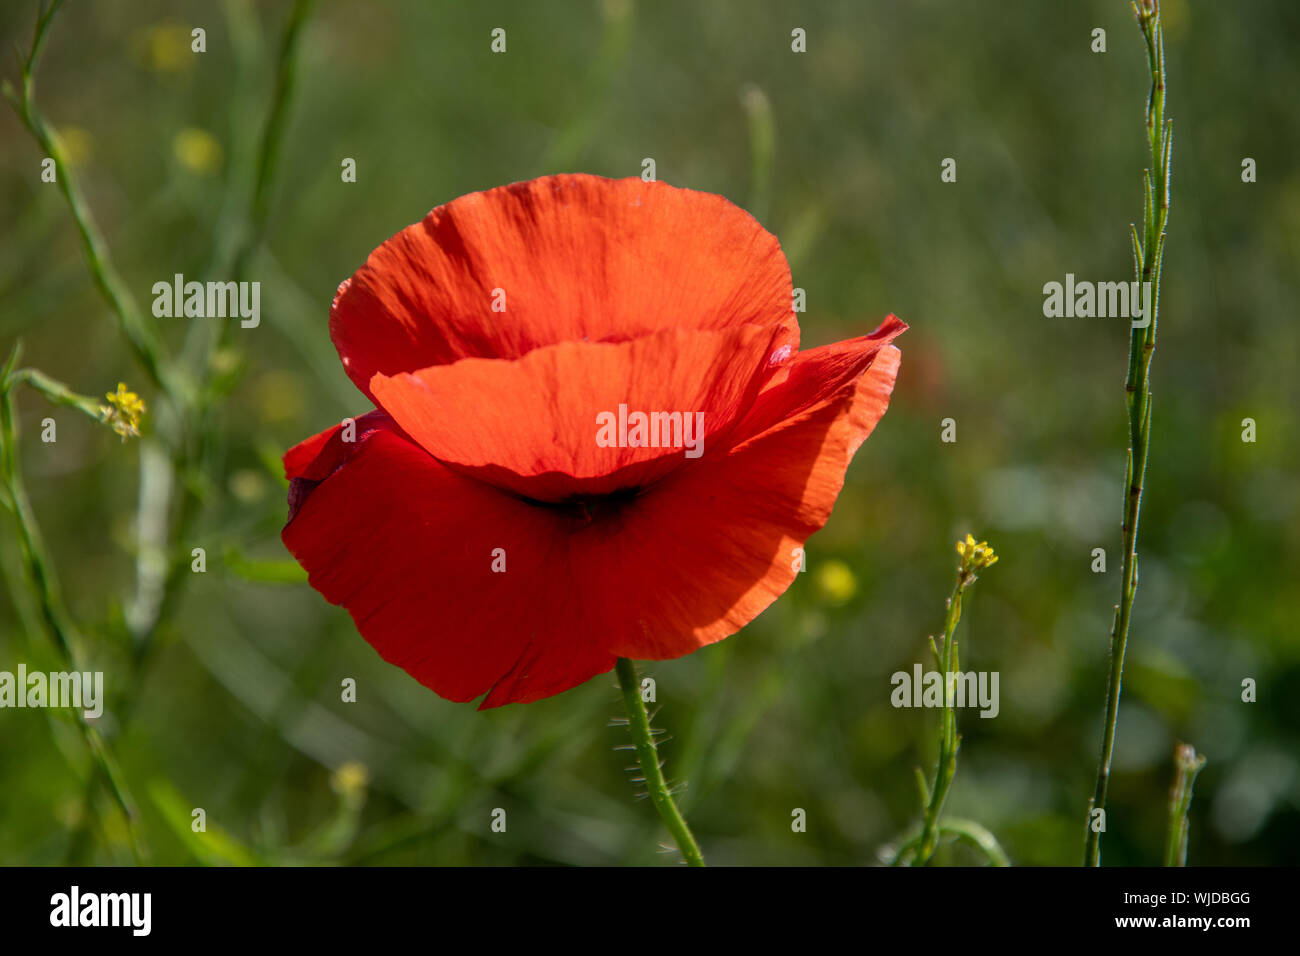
x,y
838,150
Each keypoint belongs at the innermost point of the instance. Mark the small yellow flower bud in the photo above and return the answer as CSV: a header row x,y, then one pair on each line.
x,y
975,555
123,412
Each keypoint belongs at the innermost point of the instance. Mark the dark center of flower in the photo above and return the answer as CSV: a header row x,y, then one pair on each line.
x,y
589,508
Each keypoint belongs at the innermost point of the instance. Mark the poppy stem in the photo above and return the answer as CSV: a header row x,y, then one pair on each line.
x,y
647,754
1148,256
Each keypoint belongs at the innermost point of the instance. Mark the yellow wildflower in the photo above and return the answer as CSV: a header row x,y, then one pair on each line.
x,y
123,412
975,555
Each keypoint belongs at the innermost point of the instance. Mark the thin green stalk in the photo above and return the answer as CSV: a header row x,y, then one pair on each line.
x,y
919,850
189,466
286,82
31,546
1148,258
140,335
189,428
268,161
949,739
143,339
54,391
1187,764
44,582
647,754
205,447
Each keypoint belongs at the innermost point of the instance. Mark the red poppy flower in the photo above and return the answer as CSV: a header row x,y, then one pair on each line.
x,y
481,536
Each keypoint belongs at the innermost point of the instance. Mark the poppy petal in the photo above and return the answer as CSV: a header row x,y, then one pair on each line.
x,y
496,274
542,425
816,376
706,551
410,548
317,457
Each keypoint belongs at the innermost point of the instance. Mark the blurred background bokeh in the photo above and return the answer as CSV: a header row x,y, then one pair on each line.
x,y
837,150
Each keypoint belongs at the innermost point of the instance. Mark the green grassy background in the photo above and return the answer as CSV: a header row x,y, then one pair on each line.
x,y
238,709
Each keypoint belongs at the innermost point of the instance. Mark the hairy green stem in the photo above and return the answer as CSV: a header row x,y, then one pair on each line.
x,y
647,754
1148,255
